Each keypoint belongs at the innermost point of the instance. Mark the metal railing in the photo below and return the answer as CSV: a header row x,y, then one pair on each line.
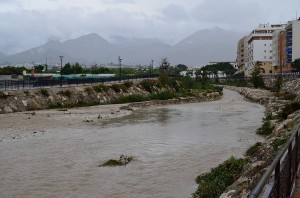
x,y
44,83
278,180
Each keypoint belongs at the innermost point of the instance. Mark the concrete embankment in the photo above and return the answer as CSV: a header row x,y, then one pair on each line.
x,y
266,151
68,97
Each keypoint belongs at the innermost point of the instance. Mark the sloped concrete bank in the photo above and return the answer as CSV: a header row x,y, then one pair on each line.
x,y
259,162
68,97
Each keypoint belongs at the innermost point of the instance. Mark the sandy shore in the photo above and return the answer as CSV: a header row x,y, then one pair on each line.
x,y
27,124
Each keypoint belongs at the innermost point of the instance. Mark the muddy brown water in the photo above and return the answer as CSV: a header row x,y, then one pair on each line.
x,y
171,145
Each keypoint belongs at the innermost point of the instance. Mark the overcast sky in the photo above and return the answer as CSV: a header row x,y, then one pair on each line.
x,y
28,23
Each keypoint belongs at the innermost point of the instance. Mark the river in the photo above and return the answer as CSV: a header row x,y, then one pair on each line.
x,y
171,145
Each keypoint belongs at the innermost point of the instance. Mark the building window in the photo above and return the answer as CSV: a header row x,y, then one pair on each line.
x,y
270,51
265,57
265,51
270,57
265,44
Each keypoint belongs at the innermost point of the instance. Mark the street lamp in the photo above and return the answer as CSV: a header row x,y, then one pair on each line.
x,y
61,58
151,66
120,60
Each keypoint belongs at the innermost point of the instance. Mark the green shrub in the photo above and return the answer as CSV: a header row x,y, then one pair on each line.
x,y
279,142
213,183
44,92
118,87
163,95
88,90
266,128
289,109
128,84
98,88
111,162
67,93
131,98
2,95
253,150
286,96
147,85
26,92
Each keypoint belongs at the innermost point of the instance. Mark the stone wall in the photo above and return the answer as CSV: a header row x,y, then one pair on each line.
x,y
289,85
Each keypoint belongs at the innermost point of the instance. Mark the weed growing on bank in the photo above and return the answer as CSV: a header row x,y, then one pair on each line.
x,y
214,183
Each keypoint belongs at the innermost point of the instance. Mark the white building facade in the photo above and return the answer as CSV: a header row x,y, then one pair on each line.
x,y
260,47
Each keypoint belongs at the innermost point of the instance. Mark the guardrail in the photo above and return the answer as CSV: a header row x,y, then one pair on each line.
x,y
279,178
38,83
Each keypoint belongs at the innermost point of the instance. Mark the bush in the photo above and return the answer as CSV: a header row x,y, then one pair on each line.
x,y
118,87
213,183
286,96
289,109
67,93
44,92
128,84
147,85
266,128
88,90
163,96
131,98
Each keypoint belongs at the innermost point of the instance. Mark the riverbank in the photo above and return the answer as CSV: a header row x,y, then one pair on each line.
x,y
262,153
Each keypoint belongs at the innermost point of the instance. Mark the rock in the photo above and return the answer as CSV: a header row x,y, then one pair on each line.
x,y
88,119
227,194
33,113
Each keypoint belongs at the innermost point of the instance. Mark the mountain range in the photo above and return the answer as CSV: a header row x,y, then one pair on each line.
x,y
195,50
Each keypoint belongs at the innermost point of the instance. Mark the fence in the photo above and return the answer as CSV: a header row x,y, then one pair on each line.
x,y
278,180
38,83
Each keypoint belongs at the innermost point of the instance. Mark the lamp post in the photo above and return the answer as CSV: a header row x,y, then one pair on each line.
x,y
151,67
120,60
61,58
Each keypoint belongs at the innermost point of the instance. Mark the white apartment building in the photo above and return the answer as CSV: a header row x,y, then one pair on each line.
x,y
260,47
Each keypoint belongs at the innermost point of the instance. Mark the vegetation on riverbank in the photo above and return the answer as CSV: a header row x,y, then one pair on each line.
x,y
213,183
164,88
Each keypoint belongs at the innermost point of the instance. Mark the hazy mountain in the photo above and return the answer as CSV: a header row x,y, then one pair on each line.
x,y
195,50
206,45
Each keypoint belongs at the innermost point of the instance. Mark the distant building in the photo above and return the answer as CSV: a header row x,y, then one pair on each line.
x,y
286,47
293,40
259,44
242,52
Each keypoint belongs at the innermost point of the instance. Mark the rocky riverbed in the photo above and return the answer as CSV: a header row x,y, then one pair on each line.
x,y
266,151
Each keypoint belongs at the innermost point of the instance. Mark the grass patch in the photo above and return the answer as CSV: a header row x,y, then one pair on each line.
x,y
163,95
131,98
279,142
213,183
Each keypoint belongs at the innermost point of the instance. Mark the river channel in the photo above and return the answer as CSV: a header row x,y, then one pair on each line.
x,y
171,145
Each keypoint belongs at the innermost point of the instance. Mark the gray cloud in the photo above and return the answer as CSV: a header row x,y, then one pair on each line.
x,y
22,27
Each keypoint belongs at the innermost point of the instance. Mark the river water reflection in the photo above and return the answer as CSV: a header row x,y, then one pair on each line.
x,y
172,145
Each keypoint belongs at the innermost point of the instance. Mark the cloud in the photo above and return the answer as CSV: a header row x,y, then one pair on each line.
x,y
174,13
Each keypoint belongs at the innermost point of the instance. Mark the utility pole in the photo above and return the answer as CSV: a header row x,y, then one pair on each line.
x,y
120,60
61,58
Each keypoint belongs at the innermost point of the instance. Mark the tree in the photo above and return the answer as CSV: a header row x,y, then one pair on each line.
x,y
296,64
164,64
38,68
256,77
181,67
76,69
